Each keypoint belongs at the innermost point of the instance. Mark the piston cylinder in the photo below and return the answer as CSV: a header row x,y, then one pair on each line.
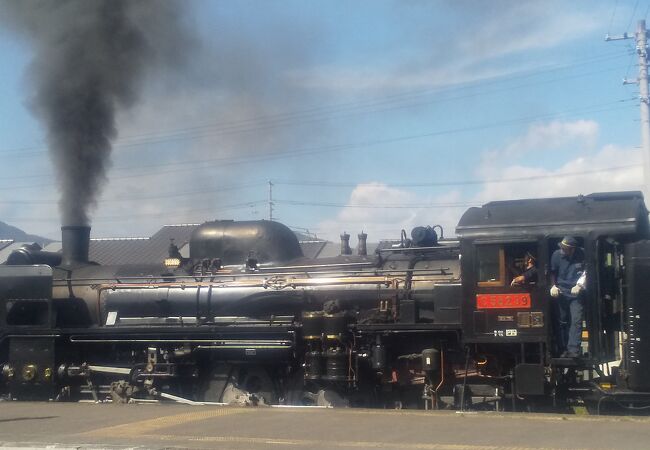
x,y
313,365
336,367
312,325
335,326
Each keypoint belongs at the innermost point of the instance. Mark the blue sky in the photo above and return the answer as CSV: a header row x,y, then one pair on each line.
x,y
365,115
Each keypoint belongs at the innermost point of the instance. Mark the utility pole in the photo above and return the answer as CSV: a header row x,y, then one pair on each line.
x,y
642,51
270,200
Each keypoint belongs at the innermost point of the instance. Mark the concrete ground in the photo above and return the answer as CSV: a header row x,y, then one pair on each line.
x,y
87,425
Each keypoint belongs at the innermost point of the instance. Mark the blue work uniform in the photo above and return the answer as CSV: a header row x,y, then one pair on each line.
x,y
567,271
530,275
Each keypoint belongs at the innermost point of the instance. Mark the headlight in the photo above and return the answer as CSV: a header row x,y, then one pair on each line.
x,y
172,263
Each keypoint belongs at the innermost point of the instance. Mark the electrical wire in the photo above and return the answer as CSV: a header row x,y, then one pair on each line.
x,y
611,20
367,206
636,5
137,215
256,158
307,116
306,183
135,197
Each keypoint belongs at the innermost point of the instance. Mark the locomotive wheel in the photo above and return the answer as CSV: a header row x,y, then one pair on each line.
x,y
215,383
241,384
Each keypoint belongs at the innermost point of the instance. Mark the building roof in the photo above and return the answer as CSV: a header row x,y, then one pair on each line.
x,y
312,249
5,243
5,250
154,249
113,251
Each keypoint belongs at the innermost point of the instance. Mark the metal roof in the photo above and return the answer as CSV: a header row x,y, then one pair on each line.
x,y
616,213
154,249
5,243
114,251
312,249
6,250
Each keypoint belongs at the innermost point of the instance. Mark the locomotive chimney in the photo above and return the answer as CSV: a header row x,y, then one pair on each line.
x,y
75,241
362,247
345,244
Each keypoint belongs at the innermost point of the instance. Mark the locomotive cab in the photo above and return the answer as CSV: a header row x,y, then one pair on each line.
x,y
518,323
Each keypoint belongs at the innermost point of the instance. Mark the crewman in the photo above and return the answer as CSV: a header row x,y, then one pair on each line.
x,y
530,271
568,277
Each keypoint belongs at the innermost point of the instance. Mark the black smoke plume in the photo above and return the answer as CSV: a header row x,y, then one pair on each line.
x,y
91,59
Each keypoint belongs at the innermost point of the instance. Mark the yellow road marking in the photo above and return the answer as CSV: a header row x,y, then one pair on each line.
x,y
332,444
141,427
479,415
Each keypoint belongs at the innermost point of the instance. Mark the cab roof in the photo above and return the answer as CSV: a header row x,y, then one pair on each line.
x,y
609,213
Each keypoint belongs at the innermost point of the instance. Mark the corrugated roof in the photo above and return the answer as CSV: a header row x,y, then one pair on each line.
x,y
330,250
5,242
180,233
7,249
312,249
129,250
53,247
141,250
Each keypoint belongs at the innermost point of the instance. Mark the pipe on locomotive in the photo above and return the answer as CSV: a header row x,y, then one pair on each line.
x,y
362,247
75,244
345,244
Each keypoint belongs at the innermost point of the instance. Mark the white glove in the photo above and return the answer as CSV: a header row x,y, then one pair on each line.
x,y
575,290
555,291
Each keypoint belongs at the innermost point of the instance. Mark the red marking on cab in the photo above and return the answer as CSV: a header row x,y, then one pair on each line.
x,y
503,301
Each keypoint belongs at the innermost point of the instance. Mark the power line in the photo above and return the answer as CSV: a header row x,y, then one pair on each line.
x,y
457,183
226,161
611,20
138,215
367,206
134,197
307,183
315,114
636,5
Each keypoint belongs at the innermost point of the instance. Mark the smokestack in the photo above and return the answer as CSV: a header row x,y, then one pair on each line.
x,y
75,241
345,244
362,247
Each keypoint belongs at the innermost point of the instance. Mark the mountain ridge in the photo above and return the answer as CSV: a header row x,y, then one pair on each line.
x,y
10,232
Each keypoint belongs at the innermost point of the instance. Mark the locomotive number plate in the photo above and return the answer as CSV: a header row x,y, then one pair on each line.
x,y
501,301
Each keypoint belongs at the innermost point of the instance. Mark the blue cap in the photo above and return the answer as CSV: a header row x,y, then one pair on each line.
x,y
568,241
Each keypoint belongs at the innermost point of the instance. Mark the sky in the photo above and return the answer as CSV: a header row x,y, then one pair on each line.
x,y
371,116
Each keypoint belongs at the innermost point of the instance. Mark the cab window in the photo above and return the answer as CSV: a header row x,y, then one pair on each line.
x,y
491,265
499,264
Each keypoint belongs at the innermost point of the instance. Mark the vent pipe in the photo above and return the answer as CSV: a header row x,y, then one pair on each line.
x,y
362,246
345,244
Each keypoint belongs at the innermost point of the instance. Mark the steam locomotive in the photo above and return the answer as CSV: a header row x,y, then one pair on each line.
x,y
424,322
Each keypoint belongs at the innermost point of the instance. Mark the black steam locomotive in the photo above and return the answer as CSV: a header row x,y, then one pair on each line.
x,y
423,322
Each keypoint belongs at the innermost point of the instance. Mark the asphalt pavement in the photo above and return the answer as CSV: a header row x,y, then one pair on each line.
x,y
157,426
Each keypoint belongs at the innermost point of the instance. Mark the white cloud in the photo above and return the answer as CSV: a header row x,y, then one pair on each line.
x,y
544,137
395,209
610,169
336,78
